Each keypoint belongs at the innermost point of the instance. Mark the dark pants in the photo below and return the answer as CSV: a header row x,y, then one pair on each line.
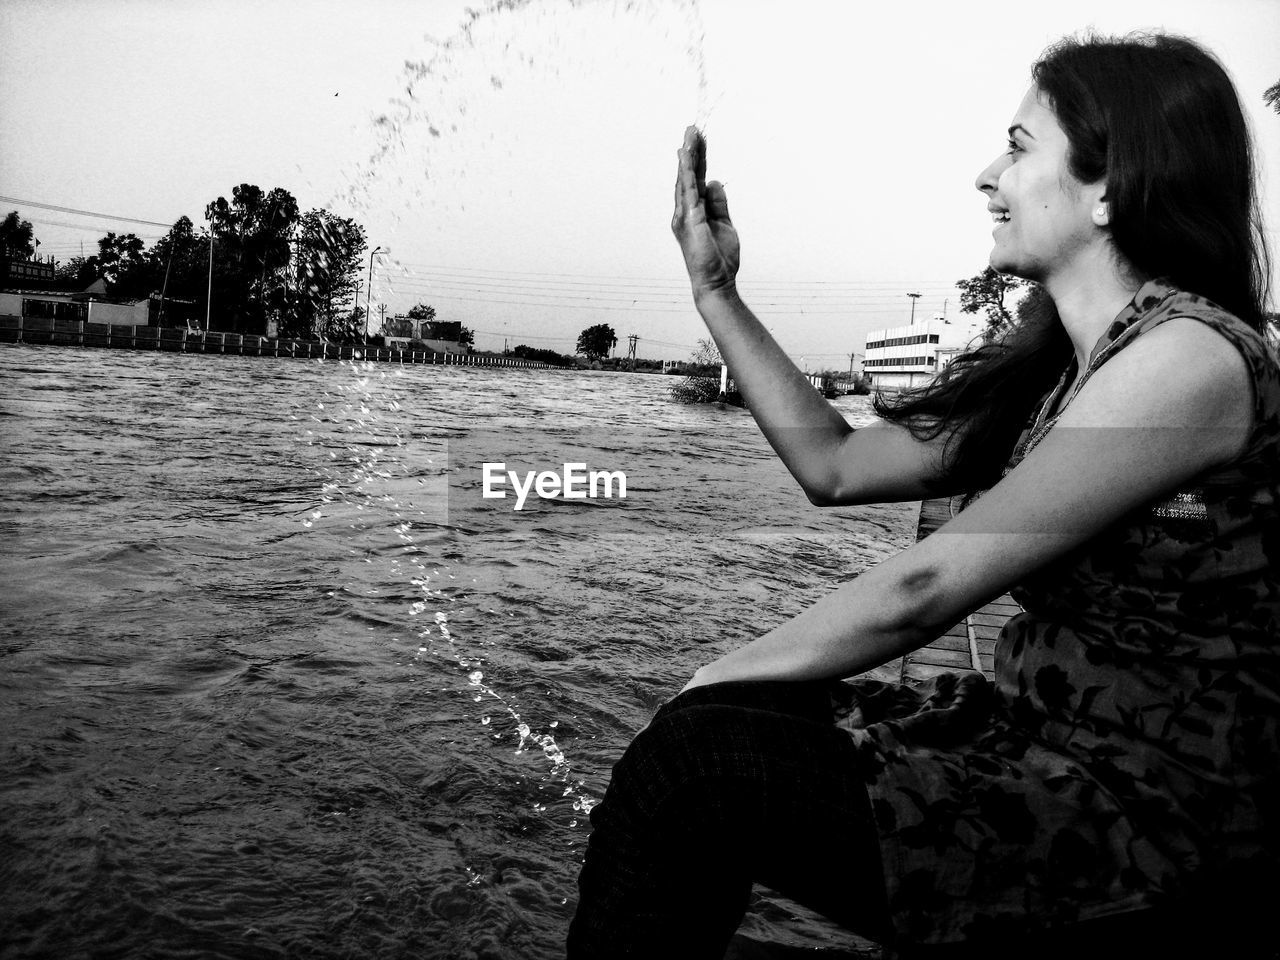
x,y
730,784
744,782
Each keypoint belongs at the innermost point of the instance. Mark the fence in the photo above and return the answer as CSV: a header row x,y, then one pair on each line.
x,y
82,333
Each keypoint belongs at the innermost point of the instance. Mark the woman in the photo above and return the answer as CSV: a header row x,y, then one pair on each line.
x,y
1125,766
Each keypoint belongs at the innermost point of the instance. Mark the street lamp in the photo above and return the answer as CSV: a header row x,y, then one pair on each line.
x,y
208,300
368,291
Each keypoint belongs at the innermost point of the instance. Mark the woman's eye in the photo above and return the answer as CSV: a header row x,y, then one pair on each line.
x,y
1013,147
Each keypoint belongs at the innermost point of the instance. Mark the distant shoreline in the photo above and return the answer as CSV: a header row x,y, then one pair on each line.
x,y
44,331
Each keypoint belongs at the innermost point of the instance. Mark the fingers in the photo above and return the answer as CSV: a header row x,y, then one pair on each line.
x,y
690,177
696,144
686,192
717,201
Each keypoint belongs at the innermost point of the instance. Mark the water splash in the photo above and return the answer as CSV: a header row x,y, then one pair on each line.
x,y
359,422
430,84
364,431
447,93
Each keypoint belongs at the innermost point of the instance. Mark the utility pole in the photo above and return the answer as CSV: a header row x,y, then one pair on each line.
x,y
208,300
165,287
914,297
631,354
368,291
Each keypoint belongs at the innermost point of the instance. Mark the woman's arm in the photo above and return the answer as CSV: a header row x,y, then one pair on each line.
x,y
833,463
1170,406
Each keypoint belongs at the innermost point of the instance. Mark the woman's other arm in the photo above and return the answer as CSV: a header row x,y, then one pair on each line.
x,y
833,463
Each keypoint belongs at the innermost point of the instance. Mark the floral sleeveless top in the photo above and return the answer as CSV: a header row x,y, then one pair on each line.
x,y
1128,752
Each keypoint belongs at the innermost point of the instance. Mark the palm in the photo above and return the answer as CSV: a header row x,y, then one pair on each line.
x,y
701,221
712,256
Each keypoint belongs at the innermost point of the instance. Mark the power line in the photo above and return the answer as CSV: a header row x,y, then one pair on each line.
x,y
89,229
766,308
563,306
625,291
540,292
81,213
451,268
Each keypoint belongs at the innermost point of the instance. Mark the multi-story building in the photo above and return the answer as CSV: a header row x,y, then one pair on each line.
x,y
901,357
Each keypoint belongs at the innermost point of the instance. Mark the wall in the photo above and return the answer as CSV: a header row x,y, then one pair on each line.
x,y
130,313
45,330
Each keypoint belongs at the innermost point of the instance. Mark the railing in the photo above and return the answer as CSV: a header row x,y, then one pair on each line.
x,y
82,333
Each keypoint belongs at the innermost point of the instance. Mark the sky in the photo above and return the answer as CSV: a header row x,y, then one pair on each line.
x,y
514,163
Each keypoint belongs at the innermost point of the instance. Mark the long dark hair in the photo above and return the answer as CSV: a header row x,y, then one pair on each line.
x,y
1159,118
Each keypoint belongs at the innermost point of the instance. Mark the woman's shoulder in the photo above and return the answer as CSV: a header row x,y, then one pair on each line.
x,y
1166,304
1215,349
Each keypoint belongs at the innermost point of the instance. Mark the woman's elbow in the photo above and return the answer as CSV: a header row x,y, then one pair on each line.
x,y
820,495
833,490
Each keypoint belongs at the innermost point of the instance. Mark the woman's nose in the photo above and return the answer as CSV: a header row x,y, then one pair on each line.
x,y
990,177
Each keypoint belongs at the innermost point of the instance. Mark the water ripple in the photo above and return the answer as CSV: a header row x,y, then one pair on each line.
x,y
275,687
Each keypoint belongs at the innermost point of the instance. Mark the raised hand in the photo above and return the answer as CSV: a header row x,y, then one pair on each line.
x,y
701,221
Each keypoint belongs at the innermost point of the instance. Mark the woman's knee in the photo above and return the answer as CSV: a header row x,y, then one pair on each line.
x,y
806,699
678,758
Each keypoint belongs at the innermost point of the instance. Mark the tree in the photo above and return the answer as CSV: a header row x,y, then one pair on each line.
x,y
253,234
330,254
17,239
120,259
702,381
178,264
707,356
985,293
175,267
77,272
1272,96
526,352
467,337
595,342
345,327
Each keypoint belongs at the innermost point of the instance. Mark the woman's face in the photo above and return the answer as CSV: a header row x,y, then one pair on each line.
x,y
1046,219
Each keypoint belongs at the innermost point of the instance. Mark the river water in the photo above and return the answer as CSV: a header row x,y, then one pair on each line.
x,y
279,681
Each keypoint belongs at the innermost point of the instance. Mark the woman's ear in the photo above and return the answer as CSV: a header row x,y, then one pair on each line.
x,y
1101,210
